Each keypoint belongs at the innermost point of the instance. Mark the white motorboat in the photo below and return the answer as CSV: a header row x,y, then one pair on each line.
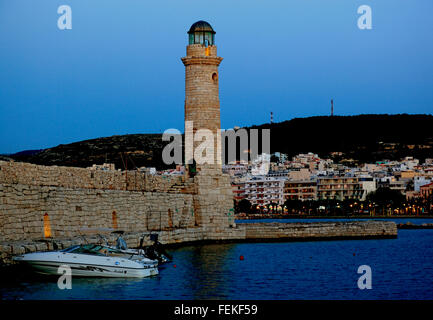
x,y
91,260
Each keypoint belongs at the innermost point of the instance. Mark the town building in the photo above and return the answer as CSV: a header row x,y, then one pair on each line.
x,y
339,188
426,191
237,169
368,184
262,191
299,174
420,181
300,190
238,189
105,167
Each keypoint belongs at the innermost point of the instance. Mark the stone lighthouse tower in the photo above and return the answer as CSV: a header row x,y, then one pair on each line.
x,y
213,200
202,106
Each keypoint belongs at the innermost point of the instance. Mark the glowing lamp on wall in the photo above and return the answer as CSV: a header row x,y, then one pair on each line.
x,y
47,226
114,219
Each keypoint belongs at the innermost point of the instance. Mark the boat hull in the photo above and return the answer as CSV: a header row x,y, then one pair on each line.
x,y
94,267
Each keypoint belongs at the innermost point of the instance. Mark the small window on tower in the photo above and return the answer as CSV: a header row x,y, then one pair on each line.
x,y
215,77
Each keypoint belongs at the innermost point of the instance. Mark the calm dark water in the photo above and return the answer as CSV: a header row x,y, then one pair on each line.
x,y
402,268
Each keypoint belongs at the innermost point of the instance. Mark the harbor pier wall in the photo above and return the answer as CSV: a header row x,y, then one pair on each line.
x,y
266,231
39,202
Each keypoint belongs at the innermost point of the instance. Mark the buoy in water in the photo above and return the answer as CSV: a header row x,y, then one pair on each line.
x,y
241,258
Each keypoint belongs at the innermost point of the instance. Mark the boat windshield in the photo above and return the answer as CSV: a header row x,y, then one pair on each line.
x,y
69,249
87,249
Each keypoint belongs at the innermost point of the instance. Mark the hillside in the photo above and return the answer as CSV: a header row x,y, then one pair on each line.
x,y
125,151
366,138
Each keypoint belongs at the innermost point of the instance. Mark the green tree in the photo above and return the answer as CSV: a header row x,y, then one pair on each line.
x,y
386,196
293,205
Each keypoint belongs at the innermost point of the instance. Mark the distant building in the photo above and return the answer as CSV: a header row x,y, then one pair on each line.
x,y
429,161
105,167
339,188
260,165
412,194
408,174
238,189
300,190
398,185
235,169
410,162
371,167
368,184
392,183
299,174
278,174
426,191
420,181
261,191
146,170
282,157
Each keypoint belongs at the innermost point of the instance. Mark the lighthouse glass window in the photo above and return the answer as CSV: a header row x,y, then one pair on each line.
x,y
209,37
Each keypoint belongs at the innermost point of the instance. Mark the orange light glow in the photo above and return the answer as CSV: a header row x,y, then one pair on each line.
x,y
114,219
47,226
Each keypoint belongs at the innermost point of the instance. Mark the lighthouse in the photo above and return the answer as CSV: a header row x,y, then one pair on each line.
x,y
202,105
213,201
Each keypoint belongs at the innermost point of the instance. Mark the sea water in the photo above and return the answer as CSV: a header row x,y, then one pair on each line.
x,y
401,268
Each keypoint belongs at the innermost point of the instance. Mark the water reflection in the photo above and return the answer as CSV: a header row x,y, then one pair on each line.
x,y
210,270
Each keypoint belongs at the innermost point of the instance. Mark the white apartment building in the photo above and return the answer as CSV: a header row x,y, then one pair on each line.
x,y
261,191
368,184
420,181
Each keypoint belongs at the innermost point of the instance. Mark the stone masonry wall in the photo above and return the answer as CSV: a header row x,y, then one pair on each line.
x,y
77,199
22,210
213,199
293,231
72,177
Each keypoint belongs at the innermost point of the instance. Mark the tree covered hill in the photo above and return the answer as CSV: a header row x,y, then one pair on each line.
x,y
125,151
366,138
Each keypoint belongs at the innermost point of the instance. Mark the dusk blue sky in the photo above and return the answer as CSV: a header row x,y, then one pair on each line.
x,y
118,71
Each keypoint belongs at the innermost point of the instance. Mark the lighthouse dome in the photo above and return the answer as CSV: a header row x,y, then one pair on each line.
x,y
201,26
201,32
